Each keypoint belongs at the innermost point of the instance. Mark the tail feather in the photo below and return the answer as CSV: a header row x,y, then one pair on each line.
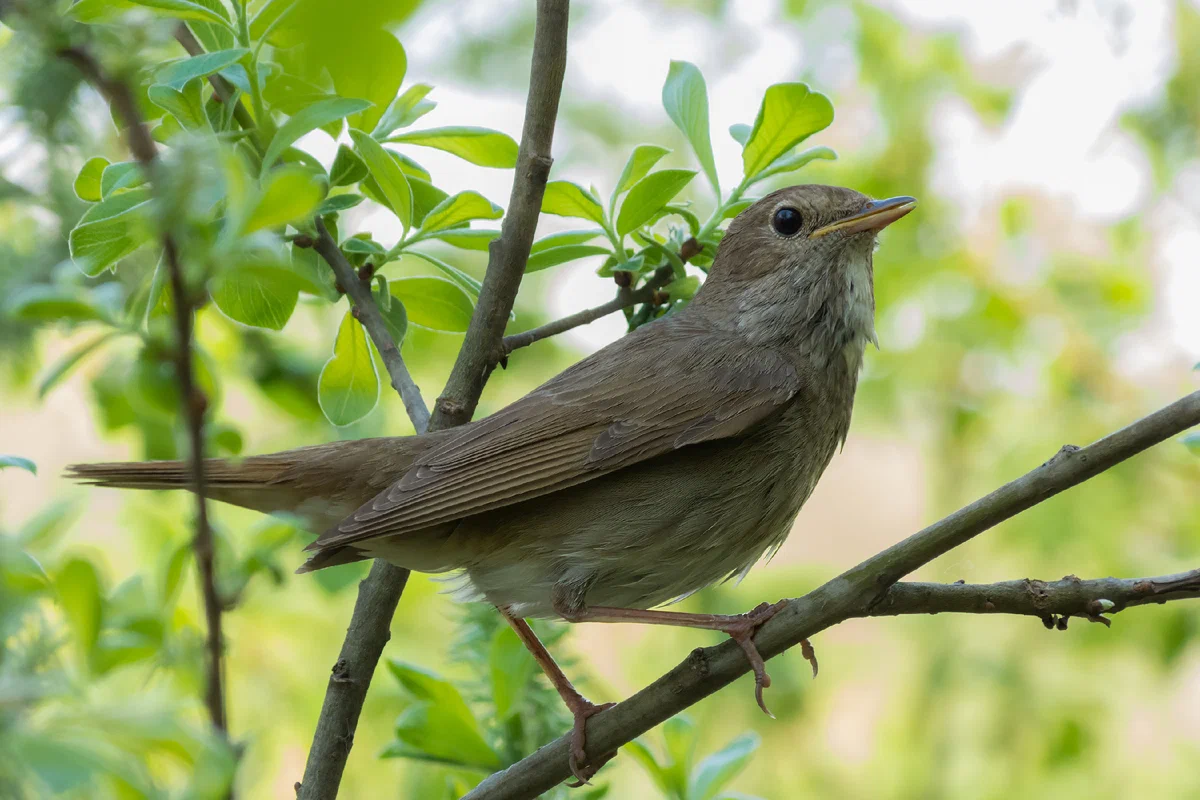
x,y
321,484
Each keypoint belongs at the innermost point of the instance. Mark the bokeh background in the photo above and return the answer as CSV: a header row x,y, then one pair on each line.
x,y
1046,291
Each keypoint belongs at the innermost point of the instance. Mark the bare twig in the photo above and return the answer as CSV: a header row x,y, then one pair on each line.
x,y
861,591
508,253
141,144
367,312
1069,597
380,592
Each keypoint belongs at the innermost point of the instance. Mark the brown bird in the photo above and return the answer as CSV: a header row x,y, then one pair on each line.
x,y
669,460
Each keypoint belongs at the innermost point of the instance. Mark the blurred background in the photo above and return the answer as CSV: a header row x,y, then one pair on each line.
x,y
1046,291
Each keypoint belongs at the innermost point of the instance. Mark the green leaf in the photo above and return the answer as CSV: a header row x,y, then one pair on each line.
x,y
633,265
482,146
462,207
733,209
466,239
92,11
1192,442
122,175
78,586
455,274
789,114
718,769
259,295
178,72
362,243
740,132
68,362
426,197
567,199
42,302
109,231
347,167
685,97
87,182
348,388
511,668
794,161
649,195
400,113
564,238
684,288
554,256
395,317
641,160
440,725
291,193
434,303
185,9
679,736
388,176
370,63
642,754
307,120
185,105
19,463
338,202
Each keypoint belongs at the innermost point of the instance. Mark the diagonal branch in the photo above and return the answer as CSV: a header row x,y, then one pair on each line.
x,y
861,591
366,311
380,592
194,403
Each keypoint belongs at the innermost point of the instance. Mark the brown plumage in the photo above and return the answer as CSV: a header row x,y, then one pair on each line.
x,y
673,458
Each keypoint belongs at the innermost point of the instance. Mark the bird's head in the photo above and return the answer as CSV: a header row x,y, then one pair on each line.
x,y
795,268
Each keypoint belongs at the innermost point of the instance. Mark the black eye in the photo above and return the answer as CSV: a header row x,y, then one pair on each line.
x,y
786,221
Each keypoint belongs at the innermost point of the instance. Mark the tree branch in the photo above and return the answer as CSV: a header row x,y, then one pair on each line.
x,y
862,591
226,92
366,311
1069,597
194,403
380,592
508,253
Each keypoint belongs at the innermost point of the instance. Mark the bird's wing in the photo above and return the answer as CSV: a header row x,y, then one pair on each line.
x,y
647,394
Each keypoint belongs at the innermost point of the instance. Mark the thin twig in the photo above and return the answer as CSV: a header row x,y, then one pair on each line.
x,y
860,591
381,591
225,90
367,312
194,403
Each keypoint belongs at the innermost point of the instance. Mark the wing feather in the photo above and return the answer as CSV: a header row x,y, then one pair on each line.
x,y
689,385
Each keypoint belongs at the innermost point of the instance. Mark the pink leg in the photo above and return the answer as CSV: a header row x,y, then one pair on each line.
x,y
580,707
739,627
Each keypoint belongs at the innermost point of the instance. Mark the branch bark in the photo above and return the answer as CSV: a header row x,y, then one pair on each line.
x,y
509,252
366,311
379,593
864,591
194,403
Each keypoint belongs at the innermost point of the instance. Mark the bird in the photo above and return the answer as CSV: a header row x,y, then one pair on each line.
x,y
672,459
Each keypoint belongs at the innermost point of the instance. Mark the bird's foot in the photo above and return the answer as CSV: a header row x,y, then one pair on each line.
x,y
582,710
741,629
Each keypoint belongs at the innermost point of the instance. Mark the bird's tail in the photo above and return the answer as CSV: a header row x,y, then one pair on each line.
x,y
321,484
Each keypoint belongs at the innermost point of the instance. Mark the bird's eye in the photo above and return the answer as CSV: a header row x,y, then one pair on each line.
x,y
786,221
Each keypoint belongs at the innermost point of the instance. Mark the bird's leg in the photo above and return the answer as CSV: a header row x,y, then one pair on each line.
x,y
740,627
580,707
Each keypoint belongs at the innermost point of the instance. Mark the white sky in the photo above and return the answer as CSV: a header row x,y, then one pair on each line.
x,y
1062,138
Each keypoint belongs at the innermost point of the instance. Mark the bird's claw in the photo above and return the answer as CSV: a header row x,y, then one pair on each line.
x,y
578,759
742,631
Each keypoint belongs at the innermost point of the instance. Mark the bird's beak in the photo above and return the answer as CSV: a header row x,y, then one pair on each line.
x,y
875,217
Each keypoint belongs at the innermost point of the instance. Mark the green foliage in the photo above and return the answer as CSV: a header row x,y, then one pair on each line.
x,y
679,776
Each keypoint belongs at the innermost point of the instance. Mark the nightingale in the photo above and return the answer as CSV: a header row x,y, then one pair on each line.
x,y
672,459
